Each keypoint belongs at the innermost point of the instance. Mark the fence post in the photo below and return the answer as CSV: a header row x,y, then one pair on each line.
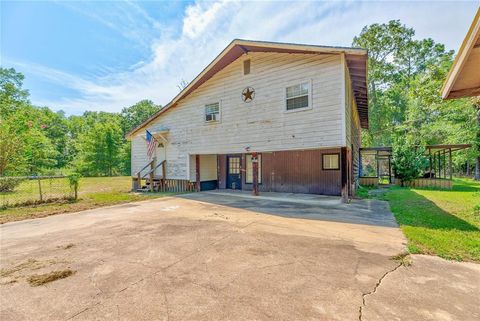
x,y
40,189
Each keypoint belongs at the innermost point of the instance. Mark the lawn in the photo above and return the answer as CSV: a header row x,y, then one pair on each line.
x,y
93,192
440,222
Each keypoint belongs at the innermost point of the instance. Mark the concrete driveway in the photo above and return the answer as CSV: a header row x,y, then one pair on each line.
x,y
190,258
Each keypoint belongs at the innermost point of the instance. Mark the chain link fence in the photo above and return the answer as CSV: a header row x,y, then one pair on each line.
x,y
30,190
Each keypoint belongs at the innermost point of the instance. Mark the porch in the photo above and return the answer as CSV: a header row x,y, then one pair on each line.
x,y
376,166
315,171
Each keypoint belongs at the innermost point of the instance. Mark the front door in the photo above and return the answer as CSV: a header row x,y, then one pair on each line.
x,y
234,178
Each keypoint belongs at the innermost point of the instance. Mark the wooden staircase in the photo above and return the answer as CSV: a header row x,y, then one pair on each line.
x,y
149,182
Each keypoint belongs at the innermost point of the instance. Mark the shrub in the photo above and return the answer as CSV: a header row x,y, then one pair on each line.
x,y
8,184
74,182
408,160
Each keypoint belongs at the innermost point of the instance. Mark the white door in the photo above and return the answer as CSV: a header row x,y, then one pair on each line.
x,y
160,154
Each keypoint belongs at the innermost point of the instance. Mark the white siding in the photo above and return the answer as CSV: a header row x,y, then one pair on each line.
x,y
261,125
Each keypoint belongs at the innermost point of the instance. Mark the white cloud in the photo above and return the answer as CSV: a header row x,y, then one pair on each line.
x,y
209,26
199,16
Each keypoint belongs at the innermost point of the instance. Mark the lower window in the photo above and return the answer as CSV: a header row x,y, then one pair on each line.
x,y
249,168
331,161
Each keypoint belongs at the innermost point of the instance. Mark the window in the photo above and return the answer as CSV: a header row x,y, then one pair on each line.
x,y
331,161
234,165
298,96
249,165
246,67
212,112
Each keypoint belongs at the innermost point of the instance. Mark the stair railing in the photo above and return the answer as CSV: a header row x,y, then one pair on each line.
x,y
151,172
139,173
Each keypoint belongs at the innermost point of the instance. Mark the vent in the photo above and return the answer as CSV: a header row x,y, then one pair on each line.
x,y
246,67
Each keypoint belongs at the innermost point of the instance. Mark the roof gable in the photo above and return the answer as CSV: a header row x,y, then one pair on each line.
x,y
356,60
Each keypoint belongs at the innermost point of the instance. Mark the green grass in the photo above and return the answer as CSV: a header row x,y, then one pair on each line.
x,y
93,192
28,191
440,222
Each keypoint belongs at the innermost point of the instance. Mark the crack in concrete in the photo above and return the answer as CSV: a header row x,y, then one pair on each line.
x,y
163,269
379,282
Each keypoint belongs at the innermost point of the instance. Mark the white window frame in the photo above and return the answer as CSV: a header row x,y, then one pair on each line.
x,y
296,83
324,168
219,112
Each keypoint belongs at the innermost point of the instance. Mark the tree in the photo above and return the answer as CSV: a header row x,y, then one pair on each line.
x,y
384,42
39,152
135,115
100,149
405,76
10,149
408,159
11,93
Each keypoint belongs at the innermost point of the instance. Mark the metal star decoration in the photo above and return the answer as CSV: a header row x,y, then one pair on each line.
x,y
248,94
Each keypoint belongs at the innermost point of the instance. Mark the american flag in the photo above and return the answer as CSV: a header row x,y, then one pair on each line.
x,y
151,144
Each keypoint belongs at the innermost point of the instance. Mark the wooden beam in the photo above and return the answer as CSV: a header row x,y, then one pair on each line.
x,y
430,158
450,162
344,174
152,173
469,92
197,172
255,174
164,172
439,166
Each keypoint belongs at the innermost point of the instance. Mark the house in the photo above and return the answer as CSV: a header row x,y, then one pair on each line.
x,y
290,114
463,80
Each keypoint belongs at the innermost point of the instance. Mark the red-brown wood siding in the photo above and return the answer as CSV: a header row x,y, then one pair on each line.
x,y
297,172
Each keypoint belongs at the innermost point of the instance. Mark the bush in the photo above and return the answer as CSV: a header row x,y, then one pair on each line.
x,y
74,182
408,160
8,184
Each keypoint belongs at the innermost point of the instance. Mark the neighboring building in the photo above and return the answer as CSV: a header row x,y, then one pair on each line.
x,y
301,107
463,80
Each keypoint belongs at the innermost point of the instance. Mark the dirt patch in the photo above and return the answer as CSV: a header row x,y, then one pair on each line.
x,y
41,279
66,247
30,264
403,258
219,216
13,274
9,282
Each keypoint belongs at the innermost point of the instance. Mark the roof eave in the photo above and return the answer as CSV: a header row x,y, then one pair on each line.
x,y
462,56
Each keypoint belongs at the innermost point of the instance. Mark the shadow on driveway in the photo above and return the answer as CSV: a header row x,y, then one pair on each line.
x,y
305,206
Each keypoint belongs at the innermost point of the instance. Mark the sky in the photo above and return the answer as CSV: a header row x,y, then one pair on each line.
x,y
106,55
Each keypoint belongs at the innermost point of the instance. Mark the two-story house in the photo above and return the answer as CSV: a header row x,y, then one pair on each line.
x,y
300,107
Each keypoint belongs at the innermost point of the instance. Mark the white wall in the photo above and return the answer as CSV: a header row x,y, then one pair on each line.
x,y
262,125
208,168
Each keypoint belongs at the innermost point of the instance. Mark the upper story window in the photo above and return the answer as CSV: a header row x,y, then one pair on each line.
x,y
298,96
212,112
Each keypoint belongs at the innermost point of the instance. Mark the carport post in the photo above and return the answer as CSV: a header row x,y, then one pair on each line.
x,y
197,172
344,177
255,174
